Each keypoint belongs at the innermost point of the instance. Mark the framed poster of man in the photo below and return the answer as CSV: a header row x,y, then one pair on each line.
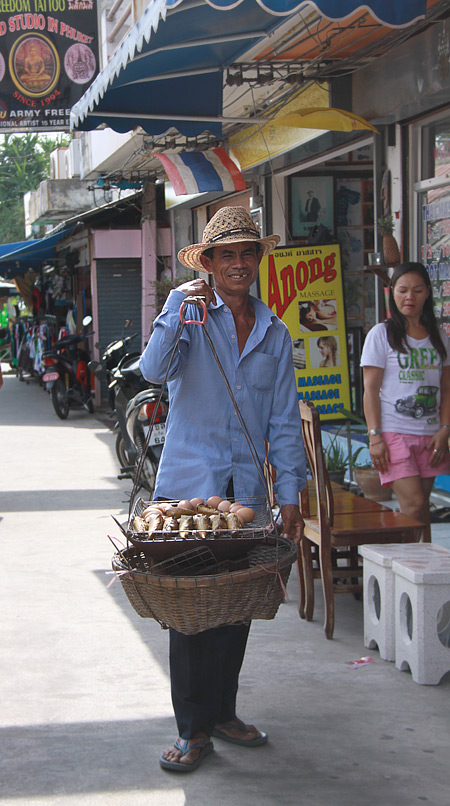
x,y
311,203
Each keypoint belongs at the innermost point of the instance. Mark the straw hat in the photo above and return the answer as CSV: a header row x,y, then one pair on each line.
x,y
228,225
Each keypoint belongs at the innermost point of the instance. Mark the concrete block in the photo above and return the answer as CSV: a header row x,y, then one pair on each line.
x,y
378,586
422,616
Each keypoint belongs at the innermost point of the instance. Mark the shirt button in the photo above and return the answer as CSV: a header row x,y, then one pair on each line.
x,y
233,336
226,310
238,387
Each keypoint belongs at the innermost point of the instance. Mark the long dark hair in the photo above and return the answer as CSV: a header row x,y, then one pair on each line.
x,y
396,325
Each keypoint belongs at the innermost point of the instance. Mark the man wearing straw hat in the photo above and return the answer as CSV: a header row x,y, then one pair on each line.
x,y
206,451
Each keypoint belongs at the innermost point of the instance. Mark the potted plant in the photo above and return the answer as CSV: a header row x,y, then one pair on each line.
x,y
365,475
337,460
368,481
391,252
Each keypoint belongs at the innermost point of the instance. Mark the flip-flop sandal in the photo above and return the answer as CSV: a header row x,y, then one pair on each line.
x,y
256,742
206,749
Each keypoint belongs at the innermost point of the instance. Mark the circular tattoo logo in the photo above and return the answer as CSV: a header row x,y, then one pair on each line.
x,y
34,65
79,63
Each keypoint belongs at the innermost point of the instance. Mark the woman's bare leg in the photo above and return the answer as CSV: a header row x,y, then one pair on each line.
x,y
413,495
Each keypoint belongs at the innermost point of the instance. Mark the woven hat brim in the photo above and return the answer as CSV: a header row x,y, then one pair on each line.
x,y
190,255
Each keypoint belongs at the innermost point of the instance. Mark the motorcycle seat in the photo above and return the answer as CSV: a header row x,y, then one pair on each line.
x,y
130,364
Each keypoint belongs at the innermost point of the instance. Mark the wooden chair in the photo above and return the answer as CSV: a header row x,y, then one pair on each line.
x,y
335,525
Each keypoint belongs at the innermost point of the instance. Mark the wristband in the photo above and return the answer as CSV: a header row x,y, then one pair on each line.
x,y
376,443
375,432
445,426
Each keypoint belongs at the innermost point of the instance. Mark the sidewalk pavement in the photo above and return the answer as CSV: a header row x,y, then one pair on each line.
x,y
84,681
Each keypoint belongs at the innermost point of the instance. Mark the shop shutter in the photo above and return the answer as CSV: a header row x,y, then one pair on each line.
x,y
119,298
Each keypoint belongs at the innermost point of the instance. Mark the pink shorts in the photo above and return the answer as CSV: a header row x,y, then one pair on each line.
x,y
409,457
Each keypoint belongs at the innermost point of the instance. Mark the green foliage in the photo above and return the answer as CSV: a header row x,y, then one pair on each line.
x,y
336,457
385,225
24,163
350,415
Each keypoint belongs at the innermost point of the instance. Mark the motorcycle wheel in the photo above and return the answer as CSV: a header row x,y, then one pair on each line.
x,y
90,405
60,399
121,452
148,476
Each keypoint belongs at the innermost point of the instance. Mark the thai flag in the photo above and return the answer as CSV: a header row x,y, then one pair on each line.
x,y
199,171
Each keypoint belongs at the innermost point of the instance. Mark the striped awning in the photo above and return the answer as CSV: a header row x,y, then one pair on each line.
x,y
168,72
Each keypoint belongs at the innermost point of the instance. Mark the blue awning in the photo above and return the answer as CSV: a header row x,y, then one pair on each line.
x,y
17,258
168,71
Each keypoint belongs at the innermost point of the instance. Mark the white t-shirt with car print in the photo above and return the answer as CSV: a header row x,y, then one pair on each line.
x,y
410,390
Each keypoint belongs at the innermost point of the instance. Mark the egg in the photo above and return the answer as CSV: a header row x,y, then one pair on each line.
x,y
245,514
185,504
196,501
224,506
234,507
214,501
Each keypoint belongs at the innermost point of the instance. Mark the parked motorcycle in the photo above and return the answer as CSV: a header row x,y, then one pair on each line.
x,y
67,376
126,384
146,411
112,355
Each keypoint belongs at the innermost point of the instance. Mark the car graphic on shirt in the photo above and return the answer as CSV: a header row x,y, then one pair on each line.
x,y
423,402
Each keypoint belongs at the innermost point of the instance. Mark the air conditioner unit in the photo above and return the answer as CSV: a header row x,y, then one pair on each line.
x,y
73,160
58,164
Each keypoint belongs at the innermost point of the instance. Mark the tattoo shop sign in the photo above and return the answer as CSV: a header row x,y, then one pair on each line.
x,y
48,58
303,286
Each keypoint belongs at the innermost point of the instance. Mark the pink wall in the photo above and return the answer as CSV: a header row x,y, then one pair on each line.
x,y
116,243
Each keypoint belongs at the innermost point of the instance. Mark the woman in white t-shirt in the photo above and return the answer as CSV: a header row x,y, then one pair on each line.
x,y
406,366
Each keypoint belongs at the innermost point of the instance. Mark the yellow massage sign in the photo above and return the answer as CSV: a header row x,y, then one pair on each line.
x,y
303,286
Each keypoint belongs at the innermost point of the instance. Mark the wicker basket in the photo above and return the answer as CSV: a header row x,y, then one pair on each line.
x,y
207,596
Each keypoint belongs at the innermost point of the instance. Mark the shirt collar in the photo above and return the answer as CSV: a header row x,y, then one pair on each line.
x,y
264,315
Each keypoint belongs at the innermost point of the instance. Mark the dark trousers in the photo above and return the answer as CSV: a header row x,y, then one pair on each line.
x,y
204,673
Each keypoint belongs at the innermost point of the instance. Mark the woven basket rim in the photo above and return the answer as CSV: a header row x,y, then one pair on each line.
x,y
287,558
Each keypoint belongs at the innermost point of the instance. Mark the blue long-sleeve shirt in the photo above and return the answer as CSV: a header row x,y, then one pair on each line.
x,y
205,445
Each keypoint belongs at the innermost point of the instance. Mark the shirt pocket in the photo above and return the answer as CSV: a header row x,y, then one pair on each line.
x,y
260,371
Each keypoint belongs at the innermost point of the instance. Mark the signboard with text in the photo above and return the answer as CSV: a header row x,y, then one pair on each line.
x,y
303,286
48,58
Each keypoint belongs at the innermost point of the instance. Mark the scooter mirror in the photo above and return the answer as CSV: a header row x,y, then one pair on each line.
x,y
128,323
87,321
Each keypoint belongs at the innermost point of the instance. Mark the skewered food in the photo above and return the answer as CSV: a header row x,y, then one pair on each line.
x,y
206,509
193,519
218,522
170,524
202,525
185,525
154,521
234,522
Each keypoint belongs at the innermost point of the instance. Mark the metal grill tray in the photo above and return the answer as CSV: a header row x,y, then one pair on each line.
x,y
223,544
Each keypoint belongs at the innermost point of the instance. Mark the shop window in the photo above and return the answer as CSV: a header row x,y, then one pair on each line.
x,y
436,149
434,247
